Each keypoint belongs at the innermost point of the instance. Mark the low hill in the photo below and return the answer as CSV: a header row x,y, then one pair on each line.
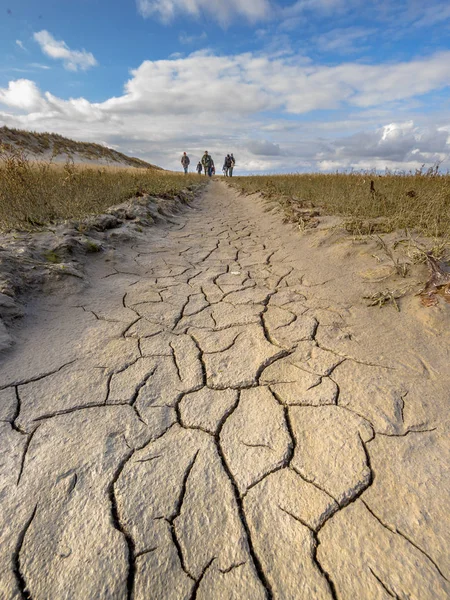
x,y
51,146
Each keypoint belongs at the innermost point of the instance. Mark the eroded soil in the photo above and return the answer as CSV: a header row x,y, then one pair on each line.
x,y
210,419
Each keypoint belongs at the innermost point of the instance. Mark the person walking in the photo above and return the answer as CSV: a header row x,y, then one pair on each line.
x,y
231,167
227,165
185,162
207,163
199,168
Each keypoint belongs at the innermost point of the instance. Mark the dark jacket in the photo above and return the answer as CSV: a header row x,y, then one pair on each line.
x,y
206,160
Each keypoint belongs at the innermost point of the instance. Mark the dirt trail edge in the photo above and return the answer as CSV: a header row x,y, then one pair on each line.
x,y
215,417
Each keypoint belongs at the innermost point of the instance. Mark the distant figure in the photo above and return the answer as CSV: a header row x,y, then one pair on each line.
x,y
199,168
207,163
185,162
227,163
233,162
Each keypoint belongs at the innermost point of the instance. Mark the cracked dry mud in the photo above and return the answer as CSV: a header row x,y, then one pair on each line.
x,y
198,423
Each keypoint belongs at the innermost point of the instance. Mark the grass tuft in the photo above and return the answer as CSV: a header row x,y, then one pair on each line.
x,y
52,257
92,247
385,297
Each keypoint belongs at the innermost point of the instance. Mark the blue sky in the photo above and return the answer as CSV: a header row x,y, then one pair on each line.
x,y
287,85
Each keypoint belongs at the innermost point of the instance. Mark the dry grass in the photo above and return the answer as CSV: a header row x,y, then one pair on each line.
x,y
384,297
371,203
36,193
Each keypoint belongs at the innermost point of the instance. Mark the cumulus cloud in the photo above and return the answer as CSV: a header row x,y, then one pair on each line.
x,y
394,145
59,50
227,103
22,94
20,44
224,12
198,84
248,83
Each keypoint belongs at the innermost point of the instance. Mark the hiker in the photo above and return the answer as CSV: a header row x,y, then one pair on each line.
x,y
185,162
213,168
227,164
199,168
233,162
207,163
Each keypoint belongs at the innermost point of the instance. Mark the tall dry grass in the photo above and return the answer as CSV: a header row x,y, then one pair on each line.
x,y
36,193
419,201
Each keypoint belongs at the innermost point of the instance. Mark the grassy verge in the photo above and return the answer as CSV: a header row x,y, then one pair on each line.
x,y
419,202
33,194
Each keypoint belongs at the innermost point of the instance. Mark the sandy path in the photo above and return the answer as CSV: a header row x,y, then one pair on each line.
x,y
202,423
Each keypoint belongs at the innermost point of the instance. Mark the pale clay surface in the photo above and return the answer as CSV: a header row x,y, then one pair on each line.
x,y
217,417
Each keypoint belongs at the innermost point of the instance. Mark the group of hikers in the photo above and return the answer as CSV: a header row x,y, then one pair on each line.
x,y
207,164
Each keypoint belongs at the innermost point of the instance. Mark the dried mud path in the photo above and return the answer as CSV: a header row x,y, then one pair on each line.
x,y
198,423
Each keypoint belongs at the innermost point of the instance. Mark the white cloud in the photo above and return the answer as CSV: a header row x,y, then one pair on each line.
x,y
192,39
224,12
395,145
291,14
59,50
429,14
20,44
385,83
327,6
344,40
22,94
221,103
299,13
39,66
248,83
